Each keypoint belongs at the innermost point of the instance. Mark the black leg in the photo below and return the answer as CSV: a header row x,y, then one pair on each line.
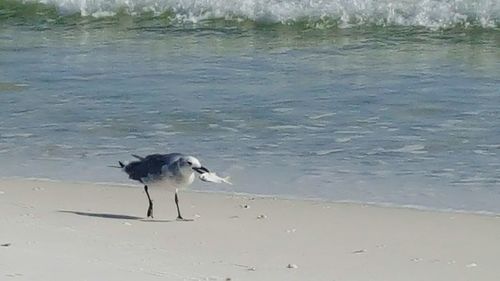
x,y
179,217
150,208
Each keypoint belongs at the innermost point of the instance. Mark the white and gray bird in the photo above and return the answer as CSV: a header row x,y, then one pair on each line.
x,y
173,170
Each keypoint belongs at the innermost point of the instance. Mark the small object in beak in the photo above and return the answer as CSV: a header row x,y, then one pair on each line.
x,y
213,177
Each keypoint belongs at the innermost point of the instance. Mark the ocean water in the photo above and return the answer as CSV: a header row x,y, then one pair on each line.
x,y
382,101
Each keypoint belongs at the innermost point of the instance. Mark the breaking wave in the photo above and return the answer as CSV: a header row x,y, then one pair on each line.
x,y
311,13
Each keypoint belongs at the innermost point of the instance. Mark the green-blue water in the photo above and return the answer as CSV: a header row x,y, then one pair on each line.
x,y
373,101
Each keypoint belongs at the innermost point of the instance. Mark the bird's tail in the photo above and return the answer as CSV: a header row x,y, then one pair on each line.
x,y
118,167
138,157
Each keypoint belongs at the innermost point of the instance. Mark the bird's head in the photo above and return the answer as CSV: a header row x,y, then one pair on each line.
x,y
190,163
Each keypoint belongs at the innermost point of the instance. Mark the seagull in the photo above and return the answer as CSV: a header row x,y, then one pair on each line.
x,y
173,170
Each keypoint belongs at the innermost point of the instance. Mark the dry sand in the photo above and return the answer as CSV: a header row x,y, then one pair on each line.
x,y
65,231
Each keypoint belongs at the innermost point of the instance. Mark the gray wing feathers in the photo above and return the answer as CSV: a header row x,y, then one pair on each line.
x,y
150,166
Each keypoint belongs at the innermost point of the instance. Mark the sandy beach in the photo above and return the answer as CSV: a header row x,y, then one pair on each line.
x,y
79,231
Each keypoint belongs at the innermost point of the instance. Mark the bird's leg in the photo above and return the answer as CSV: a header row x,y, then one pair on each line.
x,y
150,208
179,217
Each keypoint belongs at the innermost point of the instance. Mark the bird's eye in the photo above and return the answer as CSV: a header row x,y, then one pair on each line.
x,y
189,163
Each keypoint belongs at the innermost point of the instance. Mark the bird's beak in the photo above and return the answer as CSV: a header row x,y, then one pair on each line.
x,y
201,170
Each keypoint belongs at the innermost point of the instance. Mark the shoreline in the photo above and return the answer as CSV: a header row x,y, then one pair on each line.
x,y
274,197
70,231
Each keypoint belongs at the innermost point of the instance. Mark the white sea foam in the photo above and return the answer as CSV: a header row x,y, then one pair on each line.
x,y
342,140
320,116
411,148
284,127
327,152
429,13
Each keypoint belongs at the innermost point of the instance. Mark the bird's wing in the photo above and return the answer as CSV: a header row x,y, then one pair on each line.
x,y
151,166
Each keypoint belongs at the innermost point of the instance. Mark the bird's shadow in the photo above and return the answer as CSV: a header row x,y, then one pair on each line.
x,y
112,216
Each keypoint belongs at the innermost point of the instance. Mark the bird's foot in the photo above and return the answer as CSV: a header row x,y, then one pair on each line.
x,y
183,219
150,213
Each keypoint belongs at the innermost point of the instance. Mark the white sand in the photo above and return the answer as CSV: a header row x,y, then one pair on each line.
x,y
66,231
